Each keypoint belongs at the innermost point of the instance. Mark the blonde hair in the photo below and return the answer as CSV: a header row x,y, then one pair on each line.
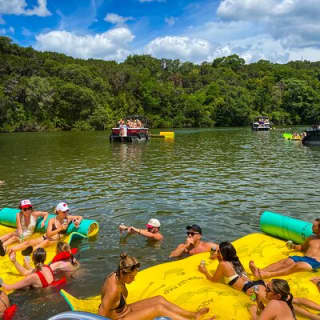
x,y
127,264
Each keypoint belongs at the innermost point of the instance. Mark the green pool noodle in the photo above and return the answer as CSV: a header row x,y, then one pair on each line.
x,y
285,227
87,227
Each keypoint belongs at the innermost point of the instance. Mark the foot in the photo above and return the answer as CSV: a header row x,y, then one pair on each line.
x,y
255,270
2,249
201,312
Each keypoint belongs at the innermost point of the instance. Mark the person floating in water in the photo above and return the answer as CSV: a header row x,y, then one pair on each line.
x,y
193,243
152,231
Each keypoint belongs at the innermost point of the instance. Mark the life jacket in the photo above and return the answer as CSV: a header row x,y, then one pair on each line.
x,y
64,255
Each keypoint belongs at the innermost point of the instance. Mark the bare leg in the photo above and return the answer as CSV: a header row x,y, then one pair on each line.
x,y
43,244
279,265
307,314
5,237
307,303
25,244
296,267
11,240
164,308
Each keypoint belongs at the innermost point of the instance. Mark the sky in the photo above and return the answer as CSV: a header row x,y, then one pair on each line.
x,y
189,30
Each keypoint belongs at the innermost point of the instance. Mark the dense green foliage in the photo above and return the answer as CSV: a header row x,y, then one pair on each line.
x,y
45,90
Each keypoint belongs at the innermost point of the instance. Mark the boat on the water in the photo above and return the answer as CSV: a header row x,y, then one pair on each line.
x,y
130,129
312,136
261,123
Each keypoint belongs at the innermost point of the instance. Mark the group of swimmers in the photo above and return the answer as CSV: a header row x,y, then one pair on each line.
x,y
63,264
273,298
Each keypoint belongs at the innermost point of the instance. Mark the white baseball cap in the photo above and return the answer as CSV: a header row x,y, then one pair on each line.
x,y
62,206
153,223
25,204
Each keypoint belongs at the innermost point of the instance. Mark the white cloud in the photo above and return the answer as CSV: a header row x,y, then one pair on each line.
x,y
170,21
110,45
19,7
116,19
184,48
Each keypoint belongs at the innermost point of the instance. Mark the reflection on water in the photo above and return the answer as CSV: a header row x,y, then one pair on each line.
x,y
221,179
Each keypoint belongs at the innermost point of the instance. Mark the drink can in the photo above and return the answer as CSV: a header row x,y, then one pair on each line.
x,y
289,244
203,263
27,259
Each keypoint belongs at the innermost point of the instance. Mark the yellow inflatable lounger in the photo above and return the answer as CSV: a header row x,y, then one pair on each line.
x,y
9,273
180,281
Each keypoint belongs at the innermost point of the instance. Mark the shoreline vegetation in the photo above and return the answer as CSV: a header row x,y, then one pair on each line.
x,y
47,91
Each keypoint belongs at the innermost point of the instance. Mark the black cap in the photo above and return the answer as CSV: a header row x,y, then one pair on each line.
x,y
195,228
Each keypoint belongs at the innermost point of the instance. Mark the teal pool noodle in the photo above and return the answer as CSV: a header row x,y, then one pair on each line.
x,y
86,228
285,227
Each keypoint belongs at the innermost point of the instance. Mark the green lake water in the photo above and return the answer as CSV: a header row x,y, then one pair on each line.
x,y
221,179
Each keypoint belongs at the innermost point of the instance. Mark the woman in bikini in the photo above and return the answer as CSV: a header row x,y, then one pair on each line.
x,y
279,306
57,228
114,294
26,221
40,277
232,272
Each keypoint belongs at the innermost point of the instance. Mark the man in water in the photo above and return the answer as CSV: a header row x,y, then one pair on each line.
x,y
310,261
152,231
193,243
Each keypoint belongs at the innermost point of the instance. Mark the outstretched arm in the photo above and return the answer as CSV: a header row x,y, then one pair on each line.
x,y
23,271
26,282
43,214
145,233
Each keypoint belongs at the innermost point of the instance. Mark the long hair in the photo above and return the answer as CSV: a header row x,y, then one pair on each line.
x,y
281,287
39,257
229,253
65,247
127,264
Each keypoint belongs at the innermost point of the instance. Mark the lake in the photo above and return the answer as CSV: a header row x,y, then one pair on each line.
x,y
221,179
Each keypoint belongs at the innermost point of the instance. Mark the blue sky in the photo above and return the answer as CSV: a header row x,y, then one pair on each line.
x,y
189,30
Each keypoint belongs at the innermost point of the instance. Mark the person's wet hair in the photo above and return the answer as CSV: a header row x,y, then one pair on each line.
x,y
39,257
229,253
127,264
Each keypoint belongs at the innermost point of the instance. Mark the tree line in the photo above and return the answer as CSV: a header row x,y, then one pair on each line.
x,y
49,91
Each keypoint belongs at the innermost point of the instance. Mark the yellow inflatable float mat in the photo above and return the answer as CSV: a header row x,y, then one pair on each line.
x,y
181,283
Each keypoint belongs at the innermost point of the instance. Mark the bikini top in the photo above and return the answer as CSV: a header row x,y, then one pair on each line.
x,y
121,305
43,280
31,226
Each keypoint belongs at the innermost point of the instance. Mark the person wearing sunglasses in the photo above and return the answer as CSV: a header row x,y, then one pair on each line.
x,y
279,306
193,243
114,293
309,262
231,271
57,228
152,230
26,220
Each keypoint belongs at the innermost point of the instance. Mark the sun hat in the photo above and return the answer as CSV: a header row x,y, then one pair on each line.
x,y
153,223
195,228
62,206
25,204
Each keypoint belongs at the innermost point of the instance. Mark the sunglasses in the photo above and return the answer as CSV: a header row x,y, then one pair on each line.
x,y
27,209
190,233
132,268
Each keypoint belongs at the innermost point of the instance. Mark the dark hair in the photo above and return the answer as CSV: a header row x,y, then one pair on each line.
x,y
127,264
281,287
229,253
39,257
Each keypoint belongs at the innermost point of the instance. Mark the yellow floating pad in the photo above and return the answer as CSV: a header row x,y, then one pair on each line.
x,y
168,134
181,283
8,272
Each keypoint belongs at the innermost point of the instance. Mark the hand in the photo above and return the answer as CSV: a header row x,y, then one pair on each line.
x,y
189,241
253,309
202,269
132,230
76,222
123,227
12,256
64,226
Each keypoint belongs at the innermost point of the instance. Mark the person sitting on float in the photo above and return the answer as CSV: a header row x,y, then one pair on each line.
x,y
64,260
40,277
114,293
232,272
26,220
279,306
152,231
56,230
